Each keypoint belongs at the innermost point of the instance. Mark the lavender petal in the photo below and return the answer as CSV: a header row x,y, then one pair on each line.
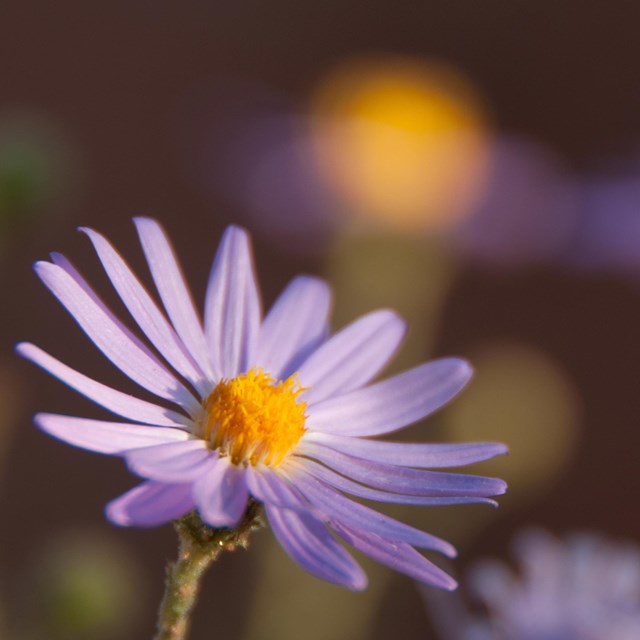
x,y
112,438
121,404
232,305
394,403
352,357
128,353
173,290
146,313
150,504
309,543
335,507
294,327
221,493
349,486
397,555
266,486
410,454
400,479
174,462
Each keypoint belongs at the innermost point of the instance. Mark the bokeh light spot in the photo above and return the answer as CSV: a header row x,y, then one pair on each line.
x,y
402,141
522,397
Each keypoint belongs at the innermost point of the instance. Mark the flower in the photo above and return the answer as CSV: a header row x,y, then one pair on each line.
x,y
584,587
271,410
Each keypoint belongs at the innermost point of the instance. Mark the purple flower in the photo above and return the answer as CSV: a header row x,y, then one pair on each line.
x,y
582,588
268,409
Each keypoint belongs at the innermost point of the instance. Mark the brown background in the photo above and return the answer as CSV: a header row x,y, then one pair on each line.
x,y
119,78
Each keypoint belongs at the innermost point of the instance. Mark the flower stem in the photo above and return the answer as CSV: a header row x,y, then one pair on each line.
x,y
199,547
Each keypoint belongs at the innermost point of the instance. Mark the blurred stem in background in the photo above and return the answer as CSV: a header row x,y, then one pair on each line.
x,y
411,274
368,269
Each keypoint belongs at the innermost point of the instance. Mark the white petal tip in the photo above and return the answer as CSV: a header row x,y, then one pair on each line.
x,y
234,228
451,585
40,420
501,488
233,234
144,223
115,515
393,316
358,583
463,369
144,220
450,551
501,449
310,279
22,349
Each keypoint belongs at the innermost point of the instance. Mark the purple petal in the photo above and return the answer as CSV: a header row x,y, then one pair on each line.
x,y
352,357
335,507
174,462
397,555
221,493
232,306
267,487
309,543
400,479
119,403
294,327
393,403
349,486
146,313
106,437
150,504
410,454
128,353
173,289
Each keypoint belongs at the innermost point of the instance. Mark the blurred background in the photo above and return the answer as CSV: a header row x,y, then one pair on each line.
x,y
474,165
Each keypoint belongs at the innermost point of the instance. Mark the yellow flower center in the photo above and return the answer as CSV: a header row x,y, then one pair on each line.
x,y
253,418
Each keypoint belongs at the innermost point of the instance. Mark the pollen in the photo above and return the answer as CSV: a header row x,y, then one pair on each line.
x,y
254,418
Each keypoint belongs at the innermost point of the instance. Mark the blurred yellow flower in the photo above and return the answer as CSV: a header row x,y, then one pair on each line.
x,y
401,141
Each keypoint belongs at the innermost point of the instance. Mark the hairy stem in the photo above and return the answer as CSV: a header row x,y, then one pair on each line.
x,y
199,547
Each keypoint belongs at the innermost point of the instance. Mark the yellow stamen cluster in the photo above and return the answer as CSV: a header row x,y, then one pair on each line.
x,y
253,418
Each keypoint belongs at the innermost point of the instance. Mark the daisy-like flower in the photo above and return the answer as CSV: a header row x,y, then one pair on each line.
x,y
270,410
583,587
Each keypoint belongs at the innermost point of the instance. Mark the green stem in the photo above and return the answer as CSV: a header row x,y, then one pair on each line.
x,y
199,547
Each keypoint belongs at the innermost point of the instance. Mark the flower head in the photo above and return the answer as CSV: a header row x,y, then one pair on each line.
x,y
266,409
581,588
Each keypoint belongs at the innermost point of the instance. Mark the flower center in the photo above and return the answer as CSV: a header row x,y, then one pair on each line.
x,y
253,418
